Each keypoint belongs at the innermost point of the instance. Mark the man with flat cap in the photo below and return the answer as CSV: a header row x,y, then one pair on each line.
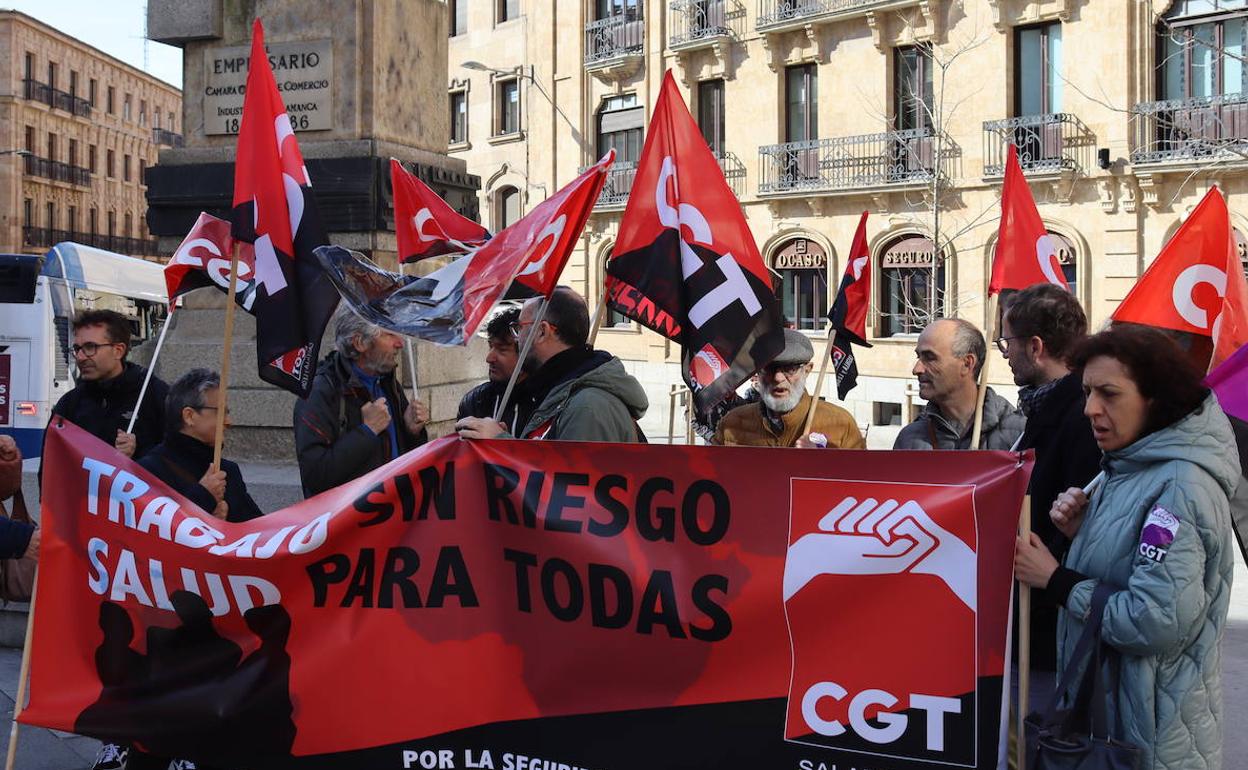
x,y
779,418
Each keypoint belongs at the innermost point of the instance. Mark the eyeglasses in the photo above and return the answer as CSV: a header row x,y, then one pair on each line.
x,y
518,325
89,349
1003,343
788,370
211,408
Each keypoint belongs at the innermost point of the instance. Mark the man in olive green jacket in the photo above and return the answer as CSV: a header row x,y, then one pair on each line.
x,y
573,392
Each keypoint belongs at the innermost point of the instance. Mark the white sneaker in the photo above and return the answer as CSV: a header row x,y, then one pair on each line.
x,y
111,757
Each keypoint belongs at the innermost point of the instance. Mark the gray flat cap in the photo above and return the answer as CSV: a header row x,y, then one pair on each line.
x,y
797,349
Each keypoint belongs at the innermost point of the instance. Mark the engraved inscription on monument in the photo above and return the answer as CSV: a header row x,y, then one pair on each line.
x,y
303,70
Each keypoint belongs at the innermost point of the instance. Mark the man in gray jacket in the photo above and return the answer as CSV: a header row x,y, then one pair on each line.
x,y
950,353
573,392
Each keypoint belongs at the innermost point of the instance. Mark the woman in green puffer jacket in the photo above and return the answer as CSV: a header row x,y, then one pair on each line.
x,y
1158,529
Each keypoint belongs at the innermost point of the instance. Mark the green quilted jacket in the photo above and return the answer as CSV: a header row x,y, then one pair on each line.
x,y
1159,529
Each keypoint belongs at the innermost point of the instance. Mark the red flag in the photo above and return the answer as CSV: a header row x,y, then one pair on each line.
x,y
853,299
1026,253
1196,284
685,263
274,209
425,225
449,304
203,259
553,233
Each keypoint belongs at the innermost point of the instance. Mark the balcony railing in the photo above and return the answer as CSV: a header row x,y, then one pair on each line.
x,y
734,172
852,162
778,14
56,171
615,37
167,138
1046,143
618,185
699,21
1200,129
53,97
47,236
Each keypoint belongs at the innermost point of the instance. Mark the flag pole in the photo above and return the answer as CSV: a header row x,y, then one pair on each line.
x,y
672,392
524,353
1024,643
151,367
823,370
411,356
983,377
19,704
599,313
223,390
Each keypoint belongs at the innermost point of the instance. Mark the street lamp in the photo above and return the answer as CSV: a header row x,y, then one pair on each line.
x,y
518,71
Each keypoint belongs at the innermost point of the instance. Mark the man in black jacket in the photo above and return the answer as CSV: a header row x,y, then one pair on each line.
x,y
108,386
1040,327
184,459
504,355
356,418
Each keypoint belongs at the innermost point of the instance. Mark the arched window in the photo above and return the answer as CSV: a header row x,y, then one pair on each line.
x,y
911,285
613,317
1241,246
506,207
803,293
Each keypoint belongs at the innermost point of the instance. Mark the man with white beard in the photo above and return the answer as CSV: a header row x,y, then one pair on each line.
x,y
778,419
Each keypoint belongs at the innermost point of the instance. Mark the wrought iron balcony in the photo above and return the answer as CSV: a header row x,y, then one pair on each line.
x,y
56,171
615,38
618,185
779,15
696,23
734,172
166,138
1046,144
1192,130
853,162
55,98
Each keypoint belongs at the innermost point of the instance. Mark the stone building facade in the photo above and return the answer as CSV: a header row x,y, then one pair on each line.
x,y
1125,113
78,131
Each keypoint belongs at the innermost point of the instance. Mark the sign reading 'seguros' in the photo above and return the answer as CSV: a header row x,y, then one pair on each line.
x,y
304,73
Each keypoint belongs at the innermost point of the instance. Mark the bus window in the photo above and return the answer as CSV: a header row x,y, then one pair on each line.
x,y
19,273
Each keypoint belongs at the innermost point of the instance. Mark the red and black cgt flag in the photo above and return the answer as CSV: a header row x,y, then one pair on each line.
x,y
849,312
203,259
685,263
425,225
274,210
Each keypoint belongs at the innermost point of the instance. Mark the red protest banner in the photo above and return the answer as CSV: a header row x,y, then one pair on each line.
x,y
497,604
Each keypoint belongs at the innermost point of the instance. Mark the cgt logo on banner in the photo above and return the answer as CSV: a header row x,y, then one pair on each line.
x,y
909,549
528,605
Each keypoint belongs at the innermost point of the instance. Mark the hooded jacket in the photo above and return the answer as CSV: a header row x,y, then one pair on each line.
x,y
583,394
483,401
104,407
332,442
1159,529
1002,426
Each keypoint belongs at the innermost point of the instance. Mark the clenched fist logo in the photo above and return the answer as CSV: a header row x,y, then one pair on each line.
x,y
870,537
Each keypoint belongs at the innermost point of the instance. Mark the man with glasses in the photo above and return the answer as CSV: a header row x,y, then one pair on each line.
x,y
949,356
1040,327
778,419
501,361
573,392
107,388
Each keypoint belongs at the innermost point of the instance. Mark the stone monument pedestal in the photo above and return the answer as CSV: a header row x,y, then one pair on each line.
x,y
363,81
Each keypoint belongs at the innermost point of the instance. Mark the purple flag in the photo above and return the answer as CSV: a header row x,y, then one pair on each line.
x,y
1230,382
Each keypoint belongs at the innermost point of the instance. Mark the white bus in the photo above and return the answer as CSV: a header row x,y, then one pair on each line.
x,y
38,297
